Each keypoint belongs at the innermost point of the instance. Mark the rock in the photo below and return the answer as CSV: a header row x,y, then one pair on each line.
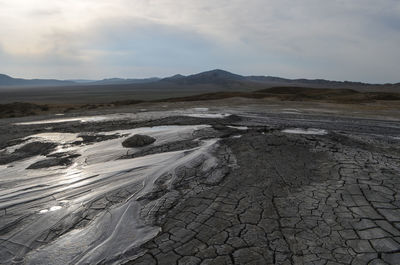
x,y
37,148
28,150
138,140
52,162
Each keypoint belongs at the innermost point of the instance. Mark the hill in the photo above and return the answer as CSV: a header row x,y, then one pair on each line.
x,y
218,77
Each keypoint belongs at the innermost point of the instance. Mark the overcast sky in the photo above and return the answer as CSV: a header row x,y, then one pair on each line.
x,y
337,39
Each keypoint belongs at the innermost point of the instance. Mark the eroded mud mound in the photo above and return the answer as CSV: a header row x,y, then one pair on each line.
x,y
138,140
28,150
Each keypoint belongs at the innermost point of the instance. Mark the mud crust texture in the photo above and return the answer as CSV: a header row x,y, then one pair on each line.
x,y
291,199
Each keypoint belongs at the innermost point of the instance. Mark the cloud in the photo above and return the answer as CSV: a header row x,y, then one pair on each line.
x,y
44,13
339,39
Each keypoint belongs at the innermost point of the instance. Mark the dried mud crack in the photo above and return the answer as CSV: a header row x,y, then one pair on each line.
x,y
290,200
232,190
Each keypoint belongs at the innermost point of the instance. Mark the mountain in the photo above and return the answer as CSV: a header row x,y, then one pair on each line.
x,y
9,81
315,83
6,80
82,81
319,82
174,78
225,79
215,79
218,77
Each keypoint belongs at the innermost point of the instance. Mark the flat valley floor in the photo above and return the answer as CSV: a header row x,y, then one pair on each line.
x,y
226,182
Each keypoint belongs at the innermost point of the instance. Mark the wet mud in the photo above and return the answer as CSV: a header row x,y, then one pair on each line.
x,y
232,187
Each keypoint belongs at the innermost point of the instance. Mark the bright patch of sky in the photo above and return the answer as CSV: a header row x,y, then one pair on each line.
x,y
337,39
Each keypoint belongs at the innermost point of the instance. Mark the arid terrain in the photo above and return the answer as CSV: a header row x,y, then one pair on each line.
x,y
279,95
228,181
199,132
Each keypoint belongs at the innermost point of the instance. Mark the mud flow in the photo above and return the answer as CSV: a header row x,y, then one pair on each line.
x,y
200,186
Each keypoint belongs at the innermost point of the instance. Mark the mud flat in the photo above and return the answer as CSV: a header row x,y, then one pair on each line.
x,y
218,185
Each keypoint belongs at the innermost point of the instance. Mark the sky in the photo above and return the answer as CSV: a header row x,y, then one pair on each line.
x,y
92,39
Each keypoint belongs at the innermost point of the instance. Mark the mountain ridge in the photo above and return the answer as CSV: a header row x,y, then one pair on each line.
x,y
215,77
6,80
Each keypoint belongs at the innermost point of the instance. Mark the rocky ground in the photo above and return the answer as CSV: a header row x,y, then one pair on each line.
x,y
267,190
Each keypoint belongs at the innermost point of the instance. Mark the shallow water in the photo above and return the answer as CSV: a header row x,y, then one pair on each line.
x,y
291,111
141,115
201,109
101,118
309,131
208,115
80,119
241,128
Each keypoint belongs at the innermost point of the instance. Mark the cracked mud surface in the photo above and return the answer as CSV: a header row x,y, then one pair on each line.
x,y
303,200
259,196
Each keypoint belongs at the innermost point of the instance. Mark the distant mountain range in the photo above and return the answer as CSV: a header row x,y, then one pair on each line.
x,y
216,77
226,79
6,80
121,81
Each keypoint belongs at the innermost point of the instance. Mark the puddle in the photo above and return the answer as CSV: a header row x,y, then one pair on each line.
x,y
309,131
208,115
201,109
290,112
142,115
242,128
80,119
54,208
139,116
321,110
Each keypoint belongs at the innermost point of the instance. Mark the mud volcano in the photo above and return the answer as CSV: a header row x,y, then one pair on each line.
x,y
238,186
